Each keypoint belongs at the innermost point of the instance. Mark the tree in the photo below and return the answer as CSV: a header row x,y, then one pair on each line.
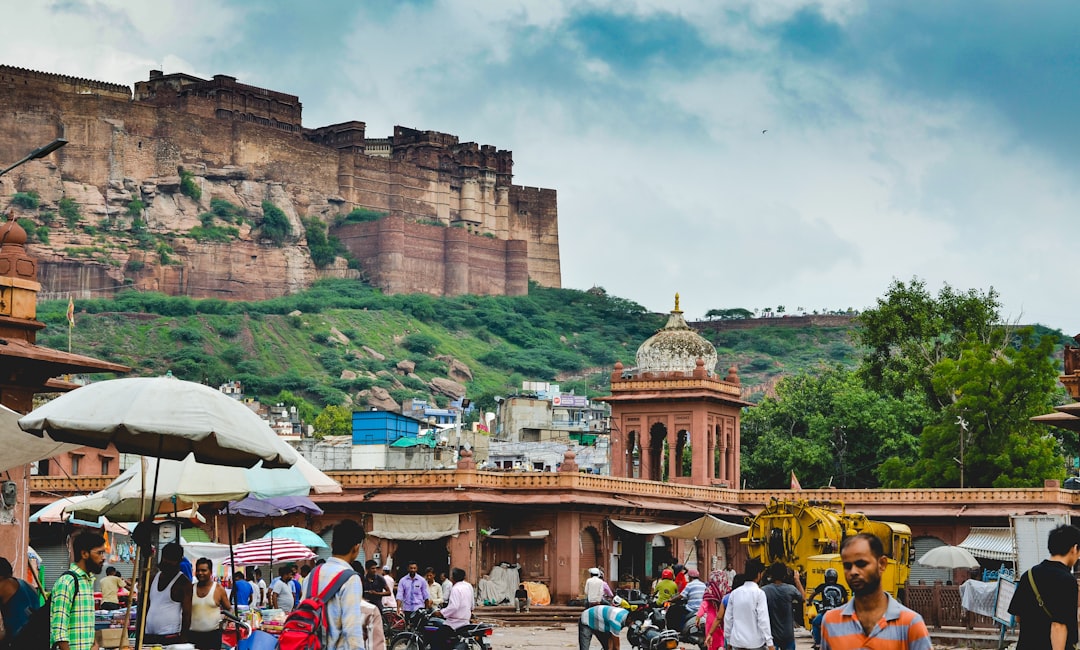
x,y
333,421
982,435
830,429
275,223
736,313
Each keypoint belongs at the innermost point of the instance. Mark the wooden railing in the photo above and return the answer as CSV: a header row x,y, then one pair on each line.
x,y
940,607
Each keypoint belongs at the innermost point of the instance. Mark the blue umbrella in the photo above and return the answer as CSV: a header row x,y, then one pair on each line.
x,y
303,535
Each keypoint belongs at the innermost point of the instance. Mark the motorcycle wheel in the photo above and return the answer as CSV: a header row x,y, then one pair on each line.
x,y
407,641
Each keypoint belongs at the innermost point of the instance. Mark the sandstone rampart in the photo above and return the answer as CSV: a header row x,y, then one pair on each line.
x,y
121,150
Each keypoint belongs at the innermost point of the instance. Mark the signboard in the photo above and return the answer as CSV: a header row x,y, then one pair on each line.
x,y
1031,533
1006,589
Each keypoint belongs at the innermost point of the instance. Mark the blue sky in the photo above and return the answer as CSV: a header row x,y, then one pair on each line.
x,y
903,138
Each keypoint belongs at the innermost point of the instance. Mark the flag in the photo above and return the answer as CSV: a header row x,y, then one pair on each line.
x,y
71,312
795,482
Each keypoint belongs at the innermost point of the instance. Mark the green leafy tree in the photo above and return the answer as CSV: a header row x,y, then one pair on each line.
x,y
333,421
983,436
830,429
275,223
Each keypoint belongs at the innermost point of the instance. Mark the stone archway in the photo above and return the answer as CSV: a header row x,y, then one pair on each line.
x,y
684,454
633,455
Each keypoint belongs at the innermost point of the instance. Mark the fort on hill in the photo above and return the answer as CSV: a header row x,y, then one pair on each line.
x,y
168,187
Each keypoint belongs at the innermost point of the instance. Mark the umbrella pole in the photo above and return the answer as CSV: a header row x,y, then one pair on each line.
x,y
144,593
232,558
138,567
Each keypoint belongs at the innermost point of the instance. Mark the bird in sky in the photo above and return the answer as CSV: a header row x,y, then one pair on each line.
x,y
764,131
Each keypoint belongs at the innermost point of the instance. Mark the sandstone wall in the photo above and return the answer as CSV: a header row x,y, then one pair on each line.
x,y
120,150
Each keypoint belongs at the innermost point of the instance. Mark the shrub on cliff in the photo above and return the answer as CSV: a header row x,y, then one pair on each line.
x,y
226,211
26,200
188,186
69,210
359,215
135,208
324,248
275,224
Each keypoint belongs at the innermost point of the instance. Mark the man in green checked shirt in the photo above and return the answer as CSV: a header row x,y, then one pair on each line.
x,y
71,617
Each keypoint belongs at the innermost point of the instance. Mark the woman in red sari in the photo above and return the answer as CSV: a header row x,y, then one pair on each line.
x,y
712,608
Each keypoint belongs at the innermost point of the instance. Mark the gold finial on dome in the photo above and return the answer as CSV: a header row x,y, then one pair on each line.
x,y
677,302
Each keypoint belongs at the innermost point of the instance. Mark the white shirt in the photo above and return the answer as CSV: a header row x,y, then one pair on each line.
x,y
594,590
260,597
389,601
458,611
746,621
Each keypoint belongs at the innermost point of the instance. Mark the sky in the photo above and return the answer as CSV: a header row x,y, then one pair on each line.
x,y
744,153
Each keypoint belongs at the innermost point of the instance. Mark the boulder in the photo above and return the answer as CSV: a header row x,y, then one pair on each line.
x,y
338,336
447,387
456,370
386,373
380,398
295,312
406,367
348,374
374,355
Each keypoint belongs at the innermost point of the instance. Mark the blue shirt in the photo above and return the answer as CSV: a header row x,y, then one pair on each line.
x,y
694,592
412,591
243,591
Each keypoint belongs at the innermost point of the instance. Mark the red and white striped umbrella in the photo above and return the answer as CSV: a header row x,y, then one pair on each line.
x,y
270,551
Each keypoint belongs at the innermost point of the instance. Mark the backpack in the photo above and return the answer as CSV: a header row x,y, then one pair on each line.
x,y
305,627
35,634
832,596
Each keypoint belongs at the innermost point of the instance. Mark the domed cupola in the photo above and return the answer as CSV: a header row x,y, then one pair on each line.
x,y
675,348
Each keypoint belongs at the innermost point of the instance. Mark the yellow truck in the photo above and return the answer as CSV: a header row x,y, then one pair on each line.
x,y
806,535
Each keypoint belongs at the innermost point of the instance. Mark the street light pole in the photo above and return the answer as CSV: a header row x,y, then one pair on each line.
x,y
40,152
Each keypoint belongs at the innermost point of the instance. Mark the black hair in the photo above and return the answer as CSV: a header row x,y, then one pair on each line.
x,y
356,566
877,549
370,563
457,575
777,572
86,541
238,576
1062,539
205,560
347,534
110,570
285,570
5,568
738,581
305,570
753,569
257,573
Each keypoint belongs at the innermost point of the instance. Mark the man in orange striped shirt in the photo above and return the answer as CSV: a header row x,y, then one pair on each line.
x,y
872,618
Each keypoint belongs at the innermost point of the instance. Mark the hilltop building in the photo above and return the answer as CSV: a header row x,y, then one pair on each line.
x,y
445,216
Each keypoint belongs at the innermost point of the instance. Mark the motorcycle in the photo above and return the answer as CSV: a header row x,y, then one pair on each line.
x,y
648,628
421,629
685,622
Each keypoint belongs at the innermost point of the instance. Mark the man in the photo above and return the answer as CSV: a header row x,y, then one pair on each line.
x,y
168,612
828,595
434,588
374,585
71,616
110,587
603,621
780,596
305,571
259,587
444,582
18,601
694,591
873,618
665,588
281,592
346,611
1045,598
458,610
207,602
594,588
412,592
242,591
746,620
388,601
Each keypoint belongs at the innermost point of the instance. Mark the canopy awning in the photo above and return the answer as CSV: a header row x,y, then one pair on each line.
x,y
707,527
413,527
990,543
642,527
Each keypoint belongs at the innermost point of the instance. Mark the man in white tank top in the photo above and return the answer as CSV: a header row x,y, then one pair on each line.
x,y
168,611
207,602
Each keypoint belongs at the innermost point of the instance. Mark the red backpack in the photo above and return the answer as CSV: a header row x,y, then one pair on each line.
x,y
305,627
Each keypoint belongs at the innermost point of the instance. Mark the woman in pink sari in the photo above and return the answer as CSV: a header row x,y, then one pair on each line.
x,y
712,608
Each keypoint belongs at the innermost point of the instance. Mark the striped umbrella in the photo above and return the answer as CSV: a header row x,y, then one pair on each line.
x,y
270,551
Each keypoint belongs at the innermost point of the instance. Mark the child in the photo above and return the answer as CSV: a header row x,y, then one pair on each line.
x,y
521,598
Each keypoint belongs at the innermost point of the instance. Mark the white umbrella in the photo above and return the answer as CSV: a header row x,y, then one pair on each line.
x,y
163,417
188,483
19,448
707,527
949,557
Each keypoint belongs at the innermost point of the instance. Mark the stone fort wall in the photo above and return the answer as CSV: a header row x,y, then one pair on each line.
x,y
117,141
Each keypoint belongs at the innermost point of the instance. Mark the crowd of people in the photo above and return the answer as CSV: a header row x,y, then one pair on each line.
x,y
184,603
755,609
